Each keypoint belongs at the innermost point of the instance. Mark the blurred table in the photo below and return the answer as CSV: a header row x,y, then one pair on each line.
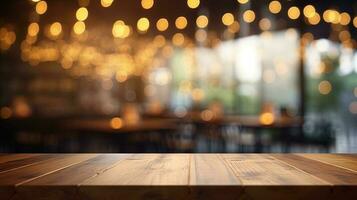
x,y
103,125
178,176
246,121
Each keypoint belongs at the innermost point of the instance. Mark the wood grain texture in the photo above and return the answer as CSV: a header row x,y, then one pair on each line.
x,y
68,179
23,161
142,170
159,169
11,157
339,160
178,176
29,173
330,174
211,169
254,169
80,172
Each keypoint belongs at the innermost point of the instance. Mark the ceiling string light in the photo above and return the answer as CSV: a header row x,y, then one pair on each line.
x,y
309,12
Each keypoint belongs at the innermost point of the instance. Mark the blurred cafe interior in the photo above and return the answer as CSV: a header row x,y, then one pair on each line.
x,y
178,76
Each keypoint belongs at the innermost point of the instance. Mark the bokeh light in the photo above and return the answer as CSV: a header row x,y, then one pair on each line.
x,y
143,24
293,12
249,16
178,39
79,27
309,11
181,22
116,123
33,29
274,7
162,24
193,3
243,1
147,4
325,87
56,29
82,14
227,19
106,3
202,21
41,7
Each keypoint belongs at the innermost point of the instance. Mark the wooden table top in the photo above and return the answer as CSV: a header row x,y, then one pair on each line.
x,y
178,176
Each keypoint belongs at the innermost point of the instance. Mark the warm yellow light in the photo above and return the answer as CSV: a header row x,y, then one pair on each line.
x,y
162,24
147,4
120,30
275,7
106,3
264,24
234,27
227,19
121,76
309,11
118,23
314,19
56,29
116,123
193,3
293,12
249,16
355,22
41,7
243,1
159,41
5,112
331,16
344,35
198,94
33,29
181,22
79,27
7,38
202,21
82,14
325,87
35,1
207,115
143,24
267,118
345,18
178,39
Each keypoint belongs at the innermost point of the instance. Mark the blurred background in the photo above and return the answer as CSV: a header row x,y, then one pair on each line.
x,y
178,76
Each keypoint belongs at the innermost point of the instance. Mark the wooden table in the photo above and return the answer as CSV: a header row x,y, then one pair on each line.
x,y
178,176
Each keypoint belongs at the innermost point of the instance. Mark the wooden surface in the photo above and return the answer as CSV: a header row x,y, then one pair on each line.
x,y
178,176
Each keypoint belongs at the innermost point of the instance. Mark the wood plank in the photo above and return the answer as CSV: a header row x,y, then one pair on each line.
x,y
255,169
339,160
23,162
212,178
182,176
26,174
264,177
142,176
202,166
78,173
331,174
66,181
12,157
160,169
9,179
